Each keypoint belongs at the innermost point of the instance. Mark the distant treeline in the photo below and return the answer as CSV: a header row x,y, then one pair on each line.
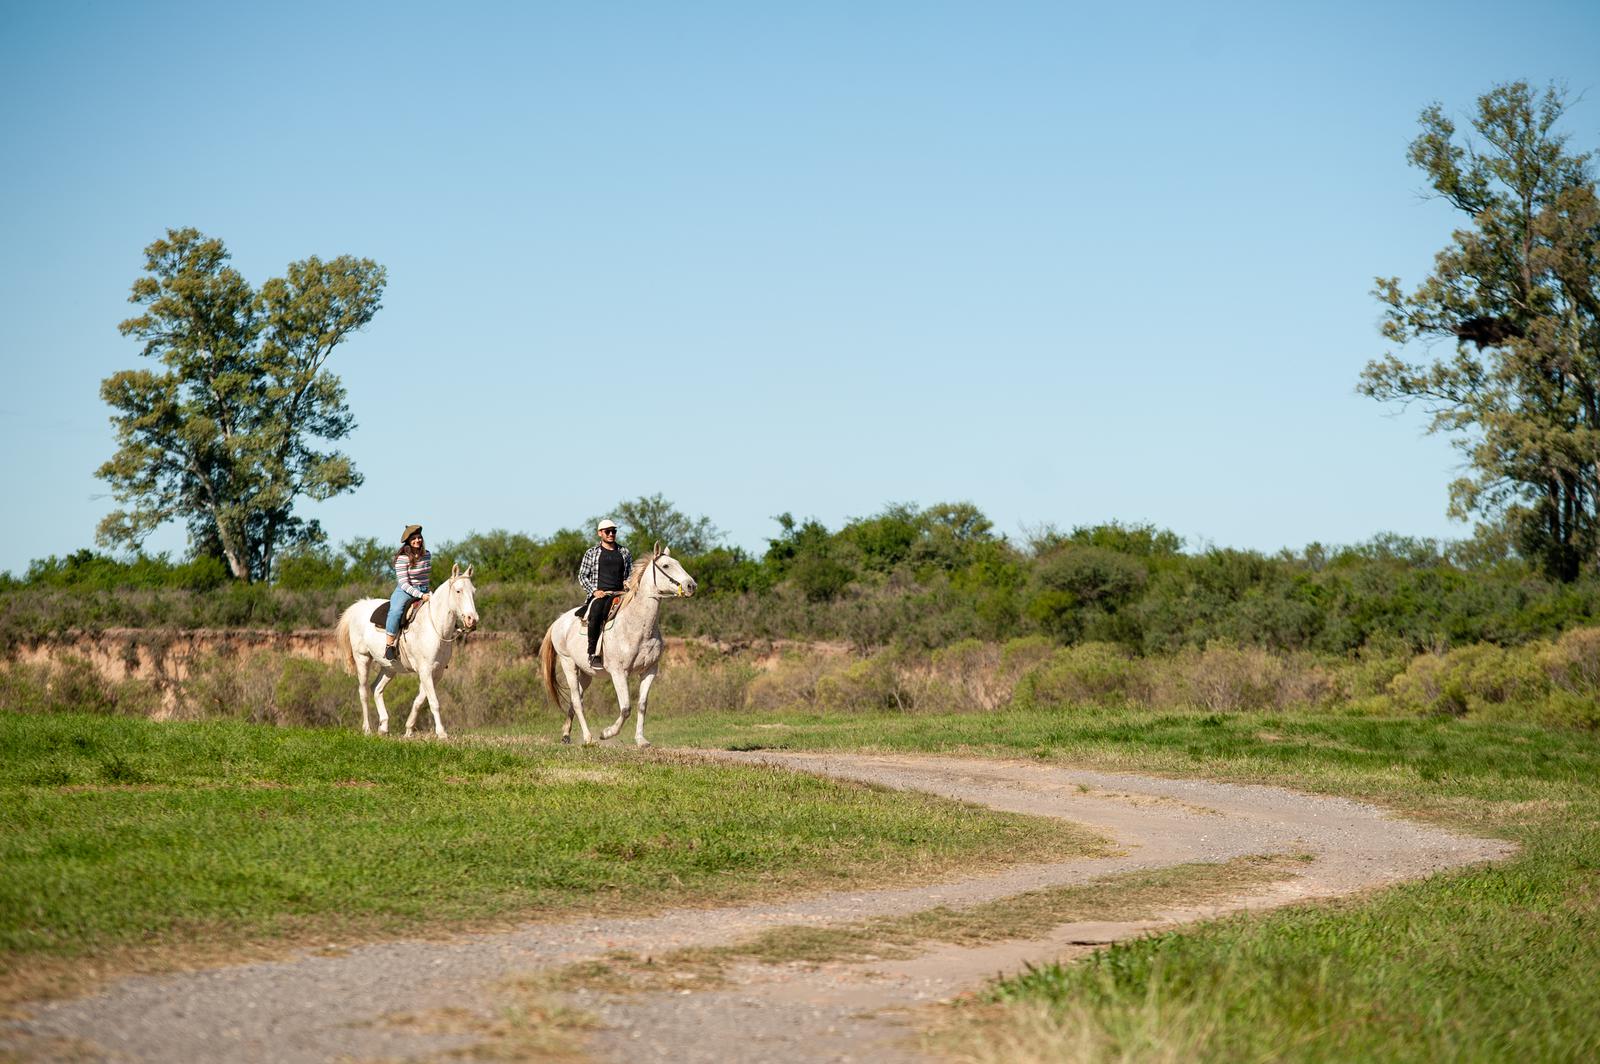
x,y
911,576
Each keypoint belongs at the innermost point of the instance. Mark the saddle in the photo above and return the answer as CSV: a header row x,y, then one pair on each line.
x,y
612,601
380,616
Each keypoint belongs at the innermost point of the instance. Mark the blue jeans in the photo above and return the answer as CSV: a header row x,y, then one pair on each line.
x,y
397,606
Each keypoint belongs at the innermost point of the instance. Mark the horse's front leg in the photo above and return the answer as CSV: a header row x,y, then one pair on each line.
x,y
620,682
416,705
377,694
427,678
577,684
363,684
644,692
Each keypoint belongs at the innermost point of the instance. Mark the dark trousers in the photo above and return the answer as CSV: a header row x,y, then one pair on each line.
x,y
599,609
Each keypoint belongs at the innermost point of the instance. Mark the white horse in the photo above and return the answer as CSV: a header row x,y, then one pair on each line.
x,y
425,647
631,644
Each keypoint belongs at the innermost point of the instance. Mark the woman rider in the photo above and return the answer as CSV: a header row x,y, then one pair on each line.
x,y
413,567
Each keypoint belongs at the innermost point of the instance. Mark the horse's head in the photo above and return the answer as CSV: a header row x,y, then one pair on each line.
x,y
463,604
667,577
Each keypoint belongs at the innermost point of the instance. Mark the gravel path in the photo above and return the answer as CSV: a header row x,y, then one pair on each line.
x,y
316,1008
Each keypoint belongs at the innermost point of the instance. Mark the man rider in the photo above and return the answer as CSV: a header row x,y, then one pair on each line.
x,y
603,574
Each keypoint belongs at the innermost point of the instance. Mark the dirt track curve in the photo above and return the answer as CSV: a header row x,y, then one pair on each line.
x,y
316,1008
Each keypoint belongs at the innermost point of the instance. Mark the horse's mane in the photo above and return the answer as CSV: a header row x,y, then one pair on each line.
x,y
630,586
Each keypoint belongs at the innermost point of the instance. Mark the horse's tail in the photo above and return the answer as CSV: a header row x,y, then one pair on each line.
x,y
547,665
342,636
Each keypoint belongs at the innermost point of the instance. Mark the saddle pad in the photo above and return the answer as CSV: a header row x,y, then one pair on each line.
x,y
380,616
611,610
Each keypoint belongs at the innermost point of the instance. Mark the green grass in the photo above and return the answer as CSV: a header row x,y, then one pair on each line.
x,y
1489,964
122,833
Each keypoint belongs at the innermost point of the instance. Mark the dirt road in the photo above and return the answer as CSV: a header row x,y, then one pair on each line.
x,y
419,1000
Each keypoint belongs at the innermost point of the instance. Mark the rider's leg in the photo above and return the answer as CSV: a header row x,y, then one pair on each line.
x,y
597,623
391,624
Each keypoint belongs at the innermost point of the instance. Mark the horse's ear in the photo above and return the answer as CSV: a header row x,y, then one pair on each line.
x,y
455,570
468,573
658,551
665,551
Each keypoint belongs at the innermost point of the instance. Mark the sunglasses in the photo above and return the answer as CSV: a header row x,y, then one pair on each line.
x,y
608,531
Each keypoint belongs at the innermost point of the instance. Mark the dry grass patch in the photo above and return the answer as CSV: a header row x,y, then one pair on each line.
x,y
530,1026
30,1049
1137,895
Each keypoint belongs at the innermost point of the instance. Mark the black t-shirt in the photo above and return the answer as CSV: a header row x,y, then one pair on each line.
x,y
610,576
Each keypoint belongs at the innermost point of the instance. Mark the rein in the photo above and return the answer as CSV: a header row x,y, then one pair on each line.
x,y
458,628
628,597
655,563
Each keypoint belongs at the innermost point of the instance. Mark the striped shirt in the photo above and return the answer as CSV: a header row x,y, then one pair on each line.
x,y
589,571
413,576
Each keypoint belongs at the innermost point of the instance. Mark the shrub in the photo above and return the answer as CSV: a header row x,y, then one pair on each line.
x,y
791,680
971,669
311,693
880,681
1221,678
703,685
1573,662
1468,678
1093,673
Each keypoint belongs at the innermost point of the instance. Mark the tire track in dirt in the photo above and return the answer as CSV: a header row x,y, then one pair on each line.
x,y
315,1008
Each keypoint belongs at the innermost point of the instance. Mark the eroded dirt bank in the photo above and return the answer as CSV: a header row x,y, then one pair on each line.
x,y
345,1006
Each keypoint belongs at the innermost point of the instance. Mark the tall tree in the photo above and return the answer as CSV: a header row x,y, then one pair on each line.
x,y
233,428
1517,291
651,519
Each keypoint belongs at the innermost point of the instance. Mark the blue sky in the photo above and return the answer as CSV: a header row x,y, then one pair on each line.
x,y
1068,263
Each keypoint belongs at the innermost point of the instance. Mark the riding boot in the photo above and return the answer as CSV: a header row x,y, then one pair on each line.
x,y
391,652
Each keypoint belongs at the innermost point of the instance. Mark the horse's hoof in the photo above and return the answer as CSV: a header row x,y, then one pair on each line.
x,y
566,740
644,743
440,733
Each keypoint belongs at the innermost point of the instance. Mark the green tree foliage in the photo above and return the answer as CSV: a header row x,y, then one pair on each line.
x,y
1127,585
1518,293
231,430
88,570
806,554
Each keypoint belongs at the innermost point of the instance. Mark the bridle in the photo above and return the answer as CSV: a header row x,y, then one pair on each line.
x,y
460,626
655,563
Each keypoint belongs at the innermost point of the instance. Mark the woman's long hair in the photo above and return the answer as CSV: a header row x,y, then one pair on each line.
x,y
414,553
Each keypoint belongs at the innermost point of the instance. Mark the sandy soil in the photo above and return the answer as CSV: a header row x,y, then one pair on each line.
x,y
343,1005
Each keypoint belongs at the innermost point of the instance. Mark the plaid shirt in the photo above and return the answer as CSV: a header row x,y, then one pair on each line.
x,y
589,571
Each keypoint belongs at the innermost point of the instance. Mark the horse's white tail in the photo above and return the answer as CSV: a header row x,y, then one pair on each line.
x,y
342,634
547,661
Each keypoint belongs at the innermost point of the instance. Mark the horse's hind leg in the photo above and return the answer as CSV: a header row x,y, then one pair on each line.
x,y
621,684
577,683
377,695
363,684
